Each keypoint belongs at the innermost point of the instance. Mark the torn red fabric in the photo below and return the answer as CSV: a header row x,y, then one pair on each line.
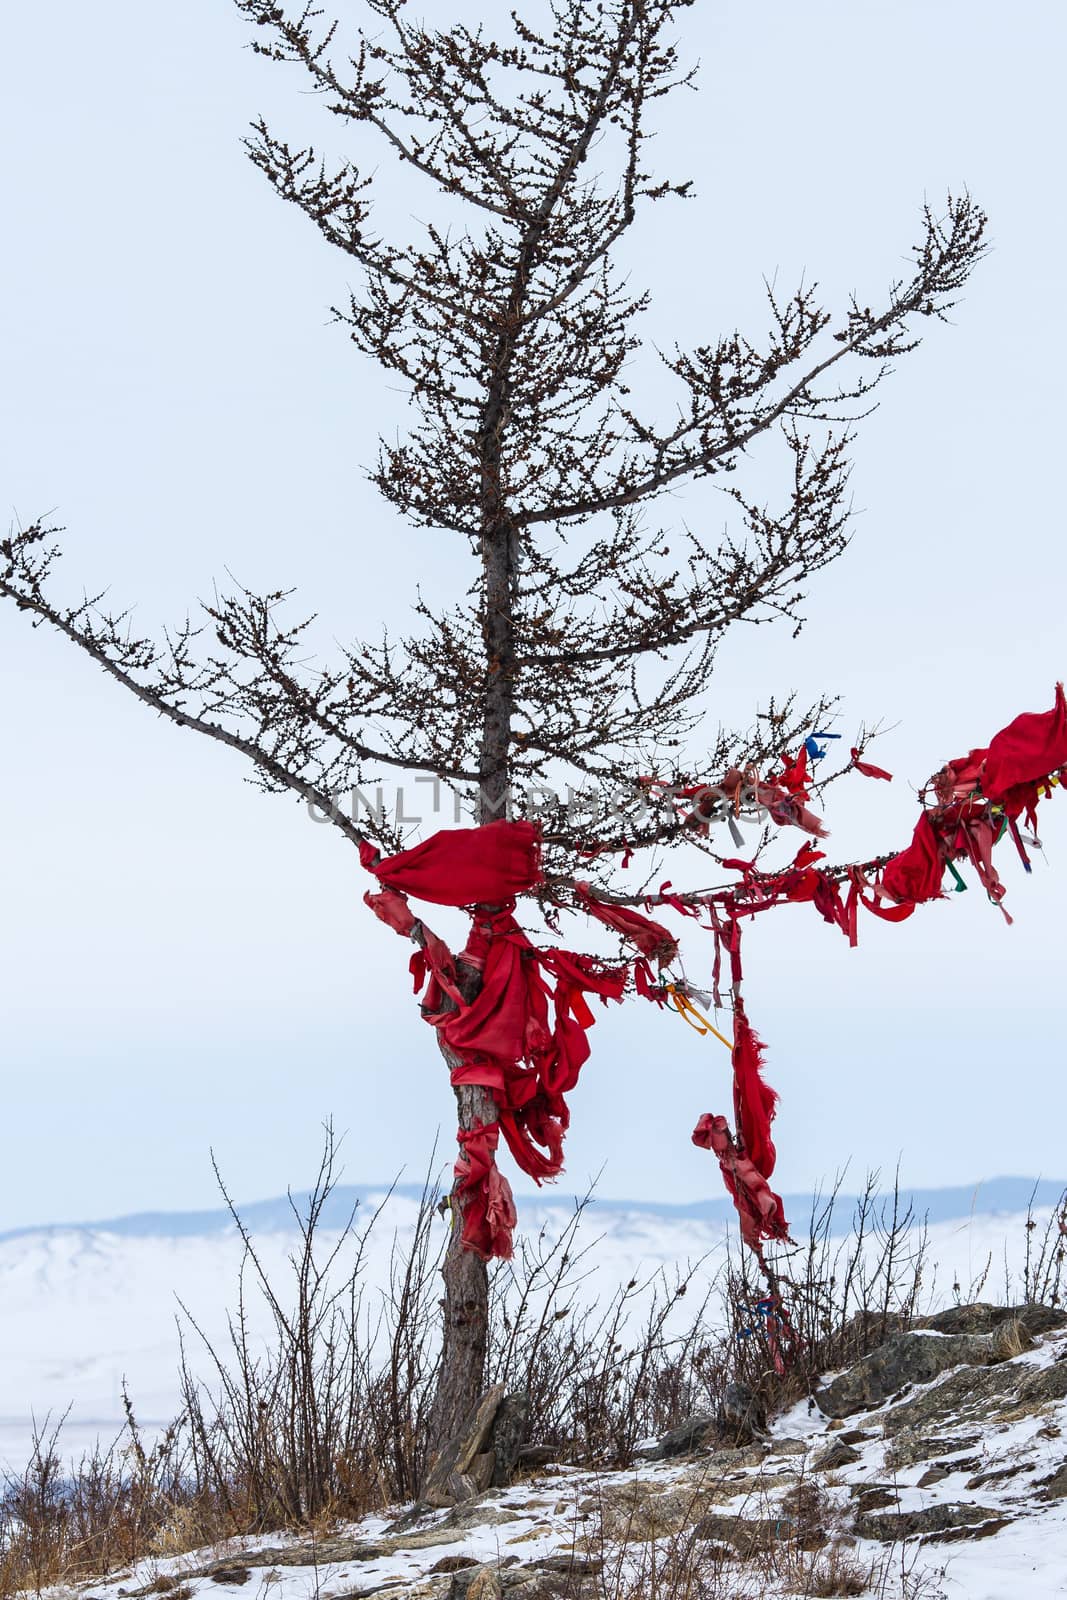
x,y
781,796
467,866
392,909
485,1195
786,810
651,938
915,874
523,1038
760,1210
867,768
754,1099
975,838
1031,747
794,775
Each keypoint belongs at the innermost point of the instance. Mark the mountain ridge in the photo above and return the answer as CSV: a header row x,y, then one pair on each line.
x,y
992,1196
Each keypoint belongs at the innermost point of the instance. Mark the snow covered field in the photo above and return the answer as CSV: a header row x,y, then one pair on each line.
x,y
84,1309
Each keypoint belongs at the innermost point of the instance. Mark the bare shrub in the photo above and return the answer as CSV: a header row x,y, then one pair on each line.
x,y
328,1419
1046,1256
840,1294
600,1375
61,1521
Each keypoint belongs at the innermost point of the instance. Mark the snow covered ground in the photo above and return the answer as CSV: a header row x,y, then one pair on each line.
x,y
974,1517
84,1309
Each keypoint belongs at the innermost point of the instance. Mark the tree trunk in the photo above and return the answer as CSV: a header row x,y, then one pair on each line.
x,y
466,1302
465,1306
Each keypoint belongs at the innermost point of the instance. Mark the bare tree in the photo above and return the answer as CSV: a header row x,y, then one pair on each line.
x,y
589,630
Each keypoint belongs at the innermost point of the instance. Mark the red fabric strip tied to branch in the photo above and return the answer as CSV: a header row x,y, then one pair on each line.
x,y
1031,747
651,938
524,1038
754,1099
465,866
760,1210
748,1161
867,768
915,874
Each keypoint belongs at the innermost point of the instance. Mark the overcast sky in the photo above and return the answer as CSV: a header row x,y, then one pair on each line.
x,y
186,963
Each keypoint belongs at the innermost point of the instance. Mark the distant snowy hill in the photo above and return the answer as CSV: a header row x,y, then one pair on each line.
x,y
85,1306
991,1197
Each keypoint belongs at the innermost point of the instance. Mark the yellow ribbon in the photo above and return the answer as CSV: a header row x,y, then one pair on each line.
x,y
687,1011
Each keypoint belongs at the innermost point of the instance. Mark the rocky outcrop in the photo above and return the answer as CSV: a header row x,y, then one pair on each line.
x,y
890,1527
1035,1320
739,1419
483,1453
904,1359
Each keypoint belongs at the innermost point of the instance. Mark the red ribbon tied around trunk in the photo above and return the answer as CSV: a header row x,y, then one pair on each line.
x,y
488,1206
523,1035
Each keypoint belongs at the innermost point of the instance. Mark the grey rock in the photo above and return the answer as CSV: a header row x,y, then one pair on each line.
x,y
982,1318
485,1585
542,1583
548,1586
479,1583
508,1436
690,1435
890,1526
478,1516
911,1445
1055,1488
787,1447
580,1566
747,1535
905,1358
543,1586
997,1475
834,1455
874,1496
1046,1384
739,1420
740,1459
977,1530
969,1398
456,1473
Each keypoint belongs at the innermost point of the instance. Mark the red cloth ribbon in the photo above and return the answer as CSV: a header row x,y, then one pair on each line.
x,y
867,768
651,938
487,1202
523,1036
466,866
915,874
760,1210
754,1099
1031,747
